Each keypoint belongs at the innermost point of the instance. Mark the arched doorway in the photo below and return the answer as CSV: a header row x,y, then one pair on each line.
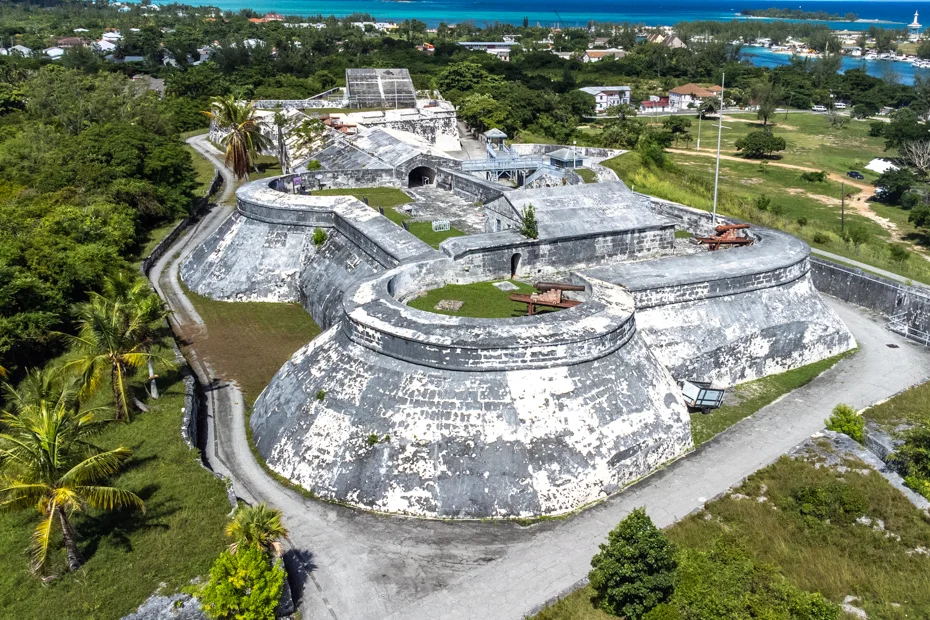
x,y
420,176
514,265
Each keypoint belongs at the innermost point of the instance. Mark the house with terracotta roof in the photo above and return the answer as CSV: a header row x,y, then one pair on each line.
x,y
690,95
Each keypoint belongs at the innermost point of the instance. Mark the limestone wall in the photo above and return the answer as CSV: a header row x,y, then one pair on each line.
x,y
467,186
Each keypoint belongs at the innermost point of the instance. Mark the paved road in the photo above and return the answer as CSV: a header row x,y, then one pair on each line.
x,y
364,566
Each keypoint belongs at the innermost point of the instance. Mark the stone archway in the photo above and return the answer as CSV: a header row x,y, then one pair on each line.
x,y
420,176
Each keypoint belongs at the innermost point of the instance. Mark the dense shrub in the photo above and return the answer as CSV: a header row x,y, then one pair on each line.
x,y
845,420
242,585
319,237
835,502
635,570
912,459
814,177
758,144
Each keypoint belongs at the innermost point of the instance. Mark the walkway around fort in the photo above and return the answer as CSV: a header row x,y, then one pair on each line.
x,y
363,566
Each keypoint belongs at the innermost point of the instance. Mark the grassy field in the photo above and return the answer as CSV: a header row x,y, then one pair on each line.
x,y
482,300
249,341
910,406
388,198
203,168
747,398
690,181
129,554
587,174
835,557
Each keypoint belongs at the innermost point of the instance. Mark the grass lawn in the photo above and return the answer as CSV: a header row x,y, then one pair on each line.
x,y
910,406
810,140
388,198
129,554
747,398
249,341
834,557
689,180
154,236
587,174
482,300
203,168
194,132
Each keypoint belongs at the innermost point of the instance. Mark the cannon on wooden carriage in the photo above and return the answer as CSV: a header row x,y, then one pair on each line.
x,y
727,235
550,297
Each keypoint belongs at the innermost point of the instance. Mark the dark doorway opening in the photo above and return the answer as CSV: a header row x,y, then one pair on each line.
x,y
514,265
420,176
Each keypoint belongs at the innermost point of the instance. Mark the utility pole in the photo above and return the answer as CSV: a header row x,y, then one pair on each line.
x,y
700,116
723,78
843,208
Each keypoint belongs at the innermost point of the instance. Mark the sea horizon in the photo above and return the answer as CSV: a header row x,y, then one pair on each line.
x,y
882,13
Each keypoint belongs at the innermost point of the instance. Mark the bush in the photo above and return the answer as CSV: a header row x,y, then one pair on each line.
x,y
313,164
244,585
320,395
814,177
821,238
899,253
912,459
528,226
845,420
319,237
802,222
758,144
763,202
837,502
635,570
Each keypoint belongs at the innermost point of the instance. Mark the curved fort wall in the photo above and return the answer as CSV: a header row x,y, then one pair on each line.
x,y
434,415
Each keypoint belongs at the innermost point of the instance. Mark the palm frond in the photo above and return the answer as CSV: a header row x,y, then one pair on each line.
x,y
96,467
110,498
41,541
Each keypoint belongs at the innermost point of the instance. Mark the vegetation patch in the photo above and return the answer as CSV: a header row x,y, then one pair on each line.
x,y
752,396
481,300
588,175
248,342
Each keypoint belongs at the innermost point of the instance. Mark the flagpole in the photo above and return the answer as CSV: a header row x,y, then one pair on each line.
x,y
723,78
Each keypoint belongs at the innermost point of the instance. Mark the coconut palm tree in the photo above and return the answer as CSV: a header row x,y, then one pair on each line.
x,y
116,334
47,462
244,138
257,526
38,387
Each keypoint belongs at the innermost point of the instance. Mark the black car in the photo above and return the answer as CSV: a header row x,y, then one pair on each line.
x,y
852,174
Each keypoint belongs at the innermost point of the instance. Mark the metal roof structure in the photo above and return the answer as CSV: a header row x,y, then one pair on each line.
x,y
380,88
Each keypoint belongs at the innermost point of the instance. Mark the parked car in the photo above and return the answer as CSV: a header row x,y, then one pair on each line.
x,y
853,174
839,105
819,108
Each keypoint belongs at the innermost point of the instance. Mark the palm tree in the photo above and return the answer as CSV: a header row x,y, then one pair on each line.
x,y
47,462
38,387
116,335
280,122
257,526
244,138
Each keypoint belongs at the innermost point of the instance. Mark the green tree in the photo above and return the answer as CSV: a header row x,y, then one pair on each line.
x,y
47,462
891,185
243,137
767,97
244,585
115,336
677,125
635,570
257,526
758,144
528,226
845,420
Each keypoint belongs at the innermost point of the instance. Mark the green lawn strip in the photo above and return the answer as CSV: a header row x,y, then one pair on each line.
x,y
587,174
129,554
833,558
908,407
154,236
482,300
752,396
194,132
249,341
203,169
692,185
388,198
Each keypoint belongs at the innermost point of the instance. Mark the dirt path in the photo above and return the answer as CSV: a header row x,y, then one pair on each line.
x,y
859,203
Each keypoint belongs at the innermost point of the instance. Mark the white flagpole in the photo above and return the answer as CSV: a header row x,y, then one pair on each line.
x,y
723,78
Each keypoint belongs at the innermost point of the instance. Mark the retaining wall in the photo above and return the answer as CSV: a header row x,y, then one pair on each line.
x,y
467,186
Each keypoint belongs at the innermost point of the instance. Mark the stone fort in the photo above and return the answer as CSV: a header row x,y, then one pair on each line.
x,y
497,418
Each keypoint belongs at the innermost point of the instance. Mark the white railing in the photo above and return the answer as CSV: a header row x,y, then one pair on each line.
x,y
898,323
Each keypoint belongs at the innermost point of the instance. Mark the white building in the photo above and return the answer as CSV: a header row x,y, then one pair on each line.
x,y
54,52
607,96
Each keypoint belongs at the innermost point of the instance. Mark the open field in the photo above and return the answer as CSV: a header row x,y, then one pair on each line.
x,y
482,300
129,554
747,398
388,198
248,342
834,556
690,181
910,406
203,168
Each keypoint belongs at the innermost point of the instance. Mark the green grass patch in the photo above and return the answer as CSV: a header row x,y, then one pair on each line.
x,y
248,342
482,300
587,174
752,396
909,407
194,132
689,180
388,198
129,554
203,169
835,557
154,236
